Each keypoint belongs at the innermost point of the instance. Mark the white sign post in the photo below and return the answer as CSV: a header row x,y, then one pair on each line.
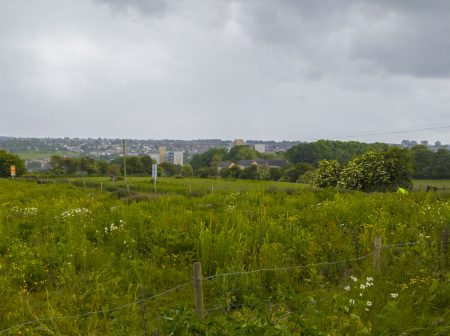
x,y
154,174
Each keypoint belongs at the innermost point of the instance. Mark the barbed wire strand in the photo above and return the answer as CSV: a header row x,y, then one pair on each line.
x,y
284,268
402,244
97,311
190,282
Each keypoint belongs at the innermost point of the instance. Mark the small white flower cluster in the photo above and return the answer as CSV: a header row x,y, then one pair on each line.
x,y
74,212
231,200
24,211
394,295
113,227
362,286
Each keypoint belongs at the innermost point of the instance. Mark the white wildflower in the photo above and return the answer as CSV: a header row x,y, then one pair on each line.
x,y
347,288
369,303
353,278
394,295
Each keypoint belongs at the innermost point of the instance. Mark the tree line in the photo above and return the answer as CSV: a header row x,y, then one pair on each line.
x,y
135,165
303,159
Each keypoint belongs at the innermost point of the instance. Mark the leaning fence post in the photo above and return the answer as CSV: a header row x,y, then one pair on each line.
x,y
198,289
377,253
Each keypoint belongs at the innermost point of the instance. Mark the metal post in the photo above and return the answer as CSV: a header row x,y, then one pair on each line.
x,y
124,153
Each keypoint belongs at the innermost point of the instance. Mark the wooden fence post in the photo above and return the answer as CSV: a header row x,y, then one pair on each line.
x,y
377,253
445,239
198,289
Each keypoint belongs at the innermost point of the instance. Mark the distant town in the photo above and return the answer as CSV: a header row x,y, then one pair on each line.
x,y
37,151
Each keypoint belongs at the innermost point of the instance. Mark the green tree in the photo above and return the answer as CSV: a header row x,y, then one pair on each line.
x,y
114,170
169,169
341,151
250,173
293,172
275,173
242,152
103,167
211,156
7,160
147,162
135,165
56,164
422,161
441,164
186,170
70,165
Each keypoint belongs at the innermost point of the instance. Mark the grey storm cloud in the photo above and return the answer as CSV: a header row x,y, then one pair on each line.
x,y
407,37
147,7
284,69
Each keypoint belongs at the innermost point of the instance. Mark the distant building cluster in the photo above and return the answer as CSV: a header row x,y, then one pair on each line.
x,y
174,157
412,143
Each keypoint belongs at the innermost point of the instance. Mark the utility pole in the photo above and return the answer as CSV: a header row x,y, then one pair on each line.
x,y
124,153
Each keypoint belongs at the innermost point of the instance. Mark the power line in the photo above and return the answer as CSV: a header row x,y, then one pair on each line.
x,y
388,132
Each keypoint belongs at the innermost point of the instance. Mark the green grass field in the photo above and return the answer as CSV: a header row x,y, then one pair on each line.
x,y
277,259
423,184
39,155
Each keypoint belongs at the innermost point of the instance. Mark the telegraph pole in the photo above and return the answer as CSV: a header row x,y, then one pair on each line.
x,y
124,152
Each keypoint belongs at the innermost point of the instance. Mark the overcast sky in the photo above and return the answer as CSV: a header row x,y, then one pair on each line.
x,y
253,69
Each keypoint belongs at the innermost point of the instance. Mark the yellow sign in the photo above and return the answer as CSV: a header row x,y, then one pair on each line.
x,y
13,170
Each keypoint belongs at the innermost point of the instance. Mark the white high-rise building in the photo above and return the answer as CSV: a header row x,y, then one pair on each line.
x,y
260,148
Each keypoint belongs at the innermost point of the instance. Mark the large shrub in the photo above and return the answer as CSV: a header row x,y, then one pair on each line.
x,y
377,171
327,175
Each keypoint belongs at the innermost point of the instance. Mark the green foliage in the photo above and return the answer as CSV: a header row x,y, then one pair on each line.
x,y
327,174
242,152
376,171
250,173
341,151
187,170
168,169
430,165
293,172
233,172
211,156
7,160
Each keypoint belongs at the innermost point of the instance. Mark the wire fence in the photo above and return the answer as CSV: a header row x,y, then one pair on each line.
x,y
208,278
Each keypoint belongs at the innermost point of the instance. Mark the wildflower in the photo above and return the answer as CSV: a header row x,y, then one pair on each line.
x,y
347,288
369,279
346,309
362,286
360,294
351,301
367,309
353,278
394,295
369,303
